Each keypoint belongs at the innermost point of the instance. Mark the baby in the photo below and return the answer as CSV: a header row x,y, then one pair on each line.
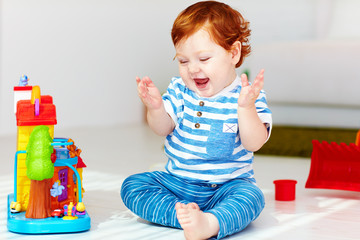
x,y
213,121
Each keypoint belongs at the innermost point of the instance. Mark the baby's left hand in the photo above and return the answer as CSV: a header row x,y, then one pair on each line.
x,y
249,93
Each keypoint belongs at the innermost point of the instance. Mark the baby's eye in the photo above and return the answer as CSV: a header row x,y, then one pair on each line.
x,y
204,59
182,61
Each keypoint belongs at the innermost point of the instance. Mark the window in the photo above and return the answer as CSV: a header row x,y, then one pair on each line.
x,y
63,178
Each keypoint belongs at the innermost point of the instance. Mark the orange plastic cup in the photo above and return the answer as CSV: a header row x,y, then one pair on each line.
x,y
285,189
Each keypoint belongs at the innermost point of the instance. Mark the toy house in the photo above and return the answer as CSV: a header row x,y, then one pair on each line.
x,y
26,121
32,111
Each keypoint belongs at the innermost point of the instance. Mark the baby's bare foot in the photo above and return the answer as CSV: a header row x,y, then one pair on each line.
x,y
196,224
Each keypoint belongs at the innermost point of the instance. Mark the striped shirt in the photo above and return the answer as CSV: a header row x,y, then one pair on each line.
x,y
205,144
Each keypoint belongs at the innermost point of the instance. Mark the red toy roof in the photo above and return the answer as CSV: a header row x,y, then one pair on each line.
x,y
80,163
22,88
25,114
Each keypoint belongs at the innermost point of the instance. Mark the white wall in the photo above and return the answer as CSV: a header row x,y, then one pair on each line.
x,y
316,81
86,53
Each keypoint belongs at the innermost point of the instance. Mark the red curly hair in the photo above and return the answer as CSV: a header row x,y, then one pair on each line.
x,y
224,24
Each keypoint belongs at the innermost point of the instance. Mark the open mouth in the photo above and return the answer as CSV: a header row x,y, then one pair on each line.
x,y
201,82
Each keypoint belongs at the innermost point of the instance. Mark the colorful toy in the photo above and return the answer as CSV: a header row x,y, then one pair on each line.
x,y
23,80
334,166
47,170
57,213
69,212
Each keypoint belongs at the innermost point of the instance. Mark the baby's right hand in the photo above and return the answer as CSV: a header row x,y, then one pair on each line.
x,y
148,93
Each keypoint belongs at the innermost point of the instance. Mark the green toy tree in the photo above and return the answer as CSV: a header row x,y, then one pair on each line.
x,y
40,170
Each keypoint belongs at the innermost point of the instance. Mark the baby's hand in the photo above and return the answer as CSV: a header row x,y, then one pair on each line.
x,y
249,93
148,93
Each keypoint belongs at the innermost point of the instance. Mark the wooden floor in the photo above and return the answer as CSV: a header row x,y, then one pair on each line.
x,y
112,154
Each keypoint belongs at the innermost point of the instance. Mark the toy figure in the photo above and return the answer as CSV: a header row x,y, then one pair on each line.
x,y
23,81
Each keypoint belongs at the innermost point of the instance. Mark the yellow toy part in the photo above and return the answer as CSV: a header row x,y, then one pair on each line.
x,y
35,94
70,217
15,207
80,207
25,202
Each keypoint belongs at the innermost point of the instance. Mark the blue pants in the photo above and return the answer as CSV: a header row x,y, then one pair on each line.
x,y
153,195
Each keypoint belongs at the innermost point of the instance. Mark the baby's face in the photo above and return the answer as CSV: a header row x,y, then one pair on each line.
x,y
205,67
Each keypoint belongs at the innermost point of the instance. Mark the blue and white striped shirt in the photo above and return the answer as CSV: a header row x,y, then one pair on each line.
x,y
205,144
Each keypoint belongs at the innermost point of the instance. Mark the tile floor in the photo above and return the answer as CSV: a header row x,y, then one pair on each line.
x,y
113,153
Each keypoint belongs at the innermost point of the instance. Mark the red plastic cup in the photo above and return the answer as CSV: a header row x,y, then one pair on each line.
x,y
285,189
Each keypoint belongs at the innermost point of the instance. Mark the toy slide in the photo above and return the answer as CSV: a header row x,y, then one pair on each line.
x,y
335,166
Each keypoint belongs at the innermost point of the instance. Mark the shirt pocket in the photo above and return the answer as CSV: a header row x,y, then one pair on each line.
x,y
221,140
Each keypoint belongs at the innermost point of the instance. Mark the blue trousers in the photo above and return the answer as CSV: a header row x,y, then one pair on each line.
x,y
153,195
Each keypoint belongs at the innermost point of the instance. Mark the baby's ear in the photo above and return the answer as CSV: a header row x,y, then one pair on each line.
x,y
236,51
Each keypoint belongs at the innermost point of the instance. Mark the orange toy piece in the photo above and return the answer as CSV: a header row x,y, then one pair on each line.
x,y
41,197
72,149
357,141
